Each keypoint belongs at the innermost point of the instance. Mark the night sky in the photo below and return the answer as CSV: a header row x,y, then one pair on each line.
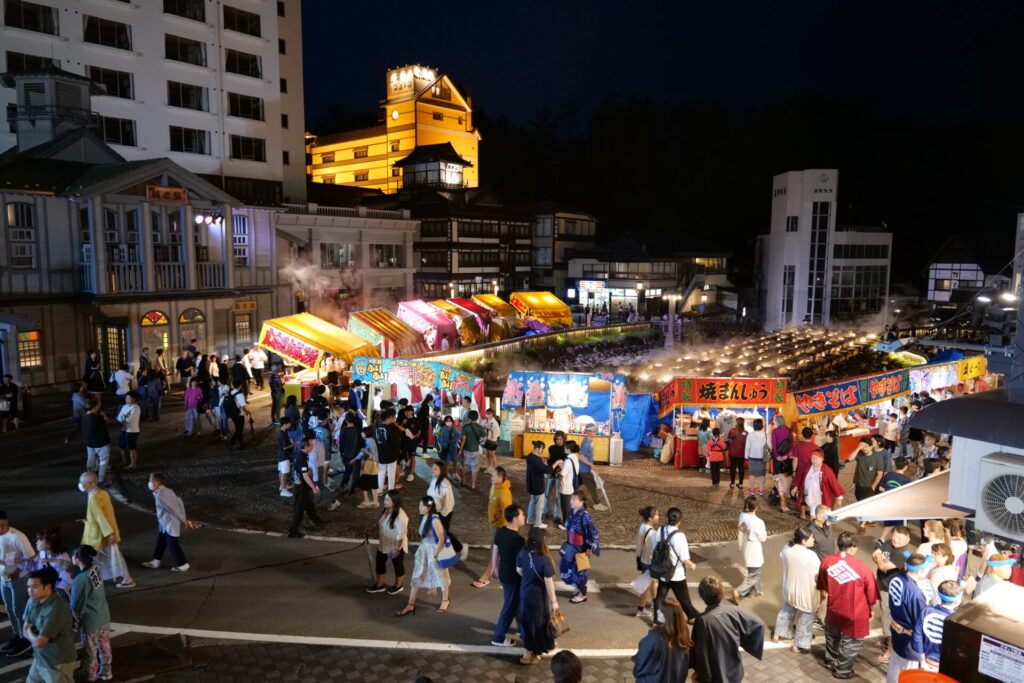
x,y
940,82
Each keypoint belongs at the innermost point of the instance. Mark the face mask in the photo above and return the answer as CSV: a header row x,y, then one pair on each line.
x,y
151,486
81,487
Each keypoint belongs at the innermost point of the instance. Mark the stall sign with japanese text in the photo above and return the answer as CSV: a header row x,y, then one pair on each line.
x,y
970,368
929,377
413,373
851,393
158,194
722,391
292,348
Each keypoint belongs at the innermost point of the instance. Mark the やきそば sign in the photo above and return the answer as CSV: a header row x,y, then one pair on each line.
x,y
685,392
852,393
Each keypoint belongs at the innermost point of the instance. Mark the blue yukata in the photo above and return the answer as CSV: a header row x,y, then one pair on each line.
x,y
582,535
906,603
927,638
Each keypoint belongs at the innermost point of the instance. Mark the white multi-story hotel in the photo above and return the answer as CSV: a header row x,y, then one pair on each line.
x,y
813,271
214,86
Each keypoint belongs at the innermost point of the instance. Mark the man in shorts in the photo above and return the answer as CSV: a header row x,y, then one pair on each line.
x,y
469,445
285,451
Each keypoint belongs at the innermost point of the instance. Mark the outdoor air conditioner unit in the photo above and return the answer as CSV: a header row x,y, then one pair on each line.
x,y
1000,505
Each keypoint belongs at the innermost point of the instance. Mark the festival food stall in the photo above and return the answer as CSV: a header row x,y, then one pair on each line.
x,y
541,311
503,314
313,343
482,317
390,335
746,396
567,402
819,405
415,378
465,323
438,329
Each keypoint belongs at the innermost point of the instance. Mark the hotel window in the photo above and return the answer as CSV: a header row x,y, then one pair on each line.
x,y
111,233
30,349
327,180
19,61
360,152
788,286
118,83
119,131
438,116
184,50
284,121
285,158
542,256
792,223
107,32
434,229
396,172
245,106
281,49
395,146
241,21
21,231
387,255
240,239
191,140
248,149
31,17
280,8
284,85
441,92
542,228
327,158
187,9
187,96
434,258
360,176
131,226
243,63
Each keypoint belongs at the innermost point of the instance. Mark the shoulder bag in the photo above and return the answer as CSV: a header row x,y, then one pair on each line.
x,y
448,557
557,623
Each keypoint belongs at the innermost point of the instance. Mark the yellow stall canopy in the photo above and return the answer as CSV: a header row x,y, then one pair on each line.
x,y
544,307
469,331
304,338
502,312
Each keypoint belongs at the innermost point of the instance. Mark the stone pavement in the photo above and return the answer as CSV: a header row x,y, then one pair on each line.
x,y
238,489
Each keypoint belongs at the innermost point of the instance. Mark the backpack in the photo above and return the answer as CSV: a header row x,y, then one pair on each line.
x,y
716,450
784,446
230,405
662,564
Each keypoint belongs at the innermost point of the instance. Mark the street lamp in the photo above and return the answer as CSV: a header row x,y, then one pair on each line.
x,y
1008,296
451,290
494,284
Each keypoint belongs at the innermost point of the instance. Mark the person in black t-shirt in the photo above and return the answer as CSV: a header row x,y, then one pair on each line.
x,y
305,489
556,456
893,480
888,557
507,544
389,449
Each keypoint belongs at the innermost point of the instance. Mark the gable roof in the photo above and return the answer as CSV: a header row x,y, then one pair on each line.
x,y
425,154
958,249
81,142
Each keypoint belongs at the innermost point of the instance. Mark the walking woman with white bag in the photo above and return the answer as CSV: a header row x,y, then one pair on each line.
x,y
433,558
645,537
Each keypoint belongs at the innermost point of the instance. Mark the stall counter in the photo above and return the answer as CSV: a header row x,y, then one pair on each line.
x,y
521,441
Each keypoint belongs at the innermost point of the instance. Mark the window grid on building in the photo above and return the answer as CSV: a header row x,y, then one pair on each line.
x,y
31,17
184,50
334,255
21,231
478,258
788,290
248,149
245,106
387,255
187,9
859,251
360,176
434,229
243,64
190,140
243,329
30,349
117,83
240,239
19,61
816,262
187,96
858,290
118,131
241,21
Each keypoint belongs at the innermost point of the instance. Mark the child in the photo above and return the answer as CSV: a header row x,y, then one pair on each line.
x,y
89,608
285,451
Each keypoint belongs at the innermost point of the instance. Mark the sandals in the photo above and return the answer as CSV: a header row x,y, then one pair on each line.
x,y
529,659
446,604
407,610
480,584
577,599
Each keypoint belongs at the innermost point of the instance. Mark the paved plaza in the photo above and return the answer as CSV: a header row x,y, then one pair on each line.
x,y
259,606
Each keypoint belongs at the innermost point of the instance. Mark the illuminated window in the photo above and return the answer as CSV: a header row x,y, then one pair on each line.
x,y
243,329
154,318
360,152
361,175
327,179
327,158
387,255
395,146
30,349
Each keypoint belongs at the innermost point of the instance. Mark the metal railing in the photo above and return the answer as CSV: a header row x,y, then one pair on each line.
x,y
34,112
344,211
210,275
169,275
125,277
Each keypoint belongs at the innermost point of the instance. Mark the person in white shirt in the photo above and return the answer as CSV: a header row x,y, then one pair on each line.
x,y
129,417
568,477
800,597
122,380
247,362
752,533
753,453
490,446
680,554
15,548
257,361
645,537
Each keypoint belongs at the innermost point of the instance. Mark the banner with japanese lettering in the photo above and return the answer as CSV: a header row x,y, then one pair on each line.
x,y
685,392
558,390
852,393
413,373
291,348
970,368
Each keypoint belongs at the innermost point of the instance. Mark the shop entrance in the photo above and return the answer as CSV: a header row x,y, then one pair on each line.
x,y
111,343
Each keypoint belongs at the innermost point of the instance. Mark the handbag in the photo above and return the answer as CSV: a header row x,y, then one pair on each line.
x,y
557,624
582,562
641,583
370,467
447,557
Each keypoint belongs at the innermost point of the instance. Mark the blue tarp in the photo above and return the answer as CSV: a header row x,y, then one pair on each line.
x,y
945,356
640,420
597,406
